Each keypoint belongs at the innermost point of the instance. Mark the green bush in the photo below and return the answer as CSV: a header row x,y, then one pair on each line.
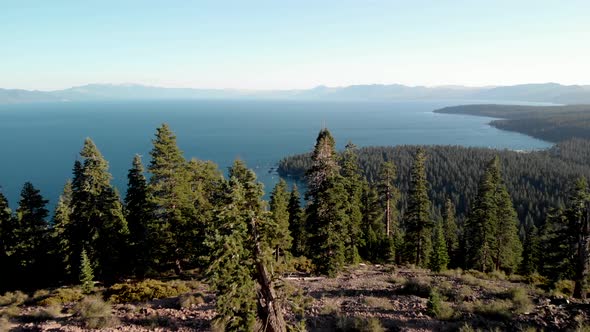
x,y
95,313
358,324
15,298
145,290
520,300
564,287
416,286
437,307
62,296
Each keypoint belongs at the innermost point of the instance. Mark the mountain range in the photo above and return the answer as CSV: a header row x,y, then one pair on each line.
x,y
544,92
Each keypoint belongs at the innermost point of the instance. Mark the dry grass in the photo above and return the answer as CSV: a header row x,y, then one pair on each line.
x,y
15,298
358,324
419,286
330,307
521,301
186,301
95,313
377,302
497,309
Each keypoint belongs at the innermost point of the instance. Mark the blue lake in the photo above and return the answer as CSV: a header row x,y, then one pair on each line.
x,y
40,142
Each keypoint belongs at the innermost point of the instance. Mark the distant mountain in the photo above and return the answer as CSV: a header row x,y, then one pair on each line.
x,y
547,92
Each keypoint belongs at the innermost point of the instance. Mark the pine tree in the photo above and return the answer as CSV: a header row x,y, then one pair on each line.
x,y
531,254
418,222
61,226
97,222
324,164
7,230
279,208
353,184
451,232
86,273
389,193
326,214
31,236
491,232
373,228
138,214
578,214
296,222
231,267
439,258
170,195
558,243
242,246
508,246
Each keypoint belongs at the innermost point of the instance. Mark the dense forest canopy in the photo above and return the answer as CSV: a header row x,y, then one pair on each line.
x,y
550,123
536,180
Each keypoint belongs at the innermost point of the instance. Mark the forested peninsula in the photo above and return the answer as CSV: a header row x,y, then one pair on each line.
x,y
549,123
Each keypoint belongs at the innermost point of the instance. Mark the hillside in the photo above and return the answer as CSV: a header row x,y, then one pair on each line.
x,y
550,123
548,92
370,298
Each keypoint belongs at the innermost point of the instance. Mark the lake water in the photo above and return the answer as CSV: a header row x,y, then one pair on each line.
x,y
40,142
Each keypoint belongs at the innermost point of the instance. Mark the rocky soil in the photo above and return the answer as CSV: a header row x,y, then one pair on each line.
x,y
395,298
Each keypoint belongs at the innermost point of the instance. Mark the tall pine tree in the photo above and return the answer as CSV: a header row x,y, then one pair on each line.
x,y
296,222
353,184
97,222
169,192
418,221
279,209
138,212
327,220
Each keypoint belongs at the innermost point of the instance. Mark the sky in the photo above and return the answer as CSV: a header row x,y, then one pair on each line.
x,y
292,44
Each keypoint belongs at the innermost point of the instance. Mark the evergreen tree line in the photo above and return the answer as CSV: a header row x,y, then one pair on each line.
x,y
348,218
536,180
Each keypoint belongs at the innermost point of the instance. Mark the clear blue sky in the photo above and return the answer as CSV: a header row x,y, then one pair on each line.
x,y
284,44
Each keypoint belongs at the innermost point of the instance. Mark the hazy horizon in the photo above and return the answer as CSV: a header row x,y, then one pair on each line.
x,y
266,45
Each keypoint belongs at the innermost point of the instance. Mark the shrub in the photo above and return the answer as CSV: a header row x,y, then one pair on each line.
x,y
397,279
95,313
44,314
499,309
15,298
145,290
520,300
62,296
416,286
9,312
437,307
358,324
536,279
189,300
564,287
40,295
377,302
330,307
4,324
301,264
497,275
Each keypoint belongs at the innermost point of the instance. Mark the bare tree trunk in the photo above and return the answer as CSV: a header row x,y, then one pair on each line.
x,y
388,211
273,320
